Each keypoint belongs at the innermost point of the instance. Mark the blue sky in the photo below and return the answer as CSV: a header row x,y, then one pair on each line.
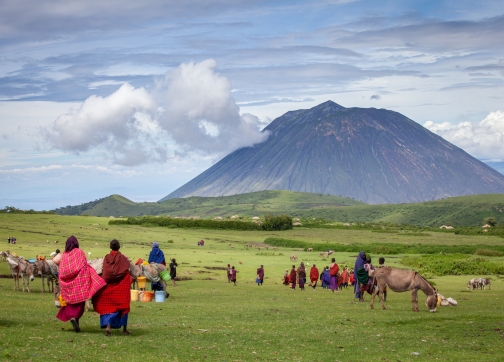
x,y
139,97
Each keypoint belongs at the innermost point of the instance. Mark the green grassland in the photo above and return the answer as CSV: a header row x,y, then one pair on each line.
x,y
206,318
459,211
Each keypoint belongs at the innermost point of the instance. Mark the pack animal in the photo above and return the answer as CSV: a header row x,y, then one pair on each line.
x,y
20,268
48,270
401,280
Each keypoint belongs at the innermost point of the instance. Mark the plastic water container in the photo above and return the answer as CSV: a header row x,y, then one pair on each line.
x,y
134,295
147,296
165,275
141,282
160,296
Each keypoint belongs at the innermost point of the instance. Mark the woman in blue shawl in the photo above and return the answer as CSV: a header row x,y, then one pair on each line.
x,y
359,264
156,256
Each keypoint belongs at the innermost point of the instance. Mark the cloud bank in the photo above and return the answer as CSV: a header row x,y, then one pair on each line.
x,y
484,140
191,106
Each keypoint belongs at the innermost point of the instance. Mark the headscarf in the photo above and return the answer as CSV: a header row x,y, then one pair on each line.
x,y
71,244
360,261
155,244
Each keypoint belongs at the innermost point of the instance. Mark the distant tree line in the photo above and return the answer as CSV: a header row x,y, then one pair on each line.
x,y
390,249
271,222
14,210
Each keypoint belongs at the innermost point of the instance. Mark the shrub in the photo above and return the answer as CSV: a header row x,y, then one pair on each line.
x,y
277,223
488,252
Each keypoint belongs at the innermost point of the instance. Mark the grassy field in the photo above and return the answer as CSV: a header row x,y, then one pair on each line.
x,y
205,318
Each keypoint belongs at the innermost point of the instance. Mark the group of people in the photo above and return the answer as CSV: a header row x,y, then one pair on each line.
x,y
79,282
110,291
333,280
11,240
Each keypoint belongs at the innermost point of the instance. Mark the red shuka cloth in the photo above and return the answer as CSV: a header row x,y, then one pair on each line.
x,y
333,269
78,281
314,274
292,276
115,297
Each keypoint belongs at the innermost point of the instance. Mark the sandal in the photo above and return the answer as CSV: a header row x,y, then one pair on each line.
x,y
75,325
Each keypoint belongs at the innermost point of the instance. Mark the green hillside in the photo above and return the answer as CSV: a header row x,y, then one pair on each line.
x,y
247,205
458,211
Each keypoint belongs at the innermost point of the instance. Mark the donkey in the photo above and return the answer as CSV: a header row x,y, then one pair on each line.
x,y
47,269
21,268
151,272
485,282
401,280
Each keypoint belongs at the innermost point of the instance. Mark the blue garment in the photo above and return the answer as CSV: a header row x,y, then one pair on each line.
x,y
114,319
156,256
326,278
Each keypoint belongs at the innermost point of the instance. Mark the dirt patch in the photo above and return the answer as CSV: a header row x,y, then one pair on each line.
x,y
215,267
183,278
209,278
5,276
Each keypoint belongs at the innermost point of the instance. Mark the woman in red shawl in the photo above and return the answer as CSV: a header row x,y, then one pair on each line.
x,y
113,301
314,276
292,277
78,283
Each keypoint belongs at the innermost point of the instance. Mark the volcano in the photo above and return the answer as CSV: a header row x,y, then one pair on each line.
x,y
372,155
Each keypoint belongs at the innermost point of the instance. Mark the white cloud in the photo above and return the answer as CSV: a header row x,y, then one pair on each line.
x,y
118,123
484,140
201,114
198,113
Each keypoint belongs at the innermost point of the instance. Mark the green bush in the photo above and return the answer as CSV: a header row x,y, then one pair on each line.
x,y
454,264
277,223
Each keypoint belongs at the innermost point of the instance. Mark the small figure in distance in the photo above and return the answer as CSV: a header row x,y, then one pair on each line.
x,y
292,277
314,276
228,272
301,271
233,274
260,275
333,272
286,277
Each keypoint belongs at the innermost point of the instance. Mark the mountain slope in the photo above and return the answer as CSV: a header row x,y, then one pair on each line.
x,y
372,155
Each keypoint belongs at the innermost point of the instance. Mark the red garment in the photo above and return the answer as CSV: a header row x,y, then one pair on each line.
x,y
333,269
71,311
115,297
314,274
352,278
345,276
78,281
292,276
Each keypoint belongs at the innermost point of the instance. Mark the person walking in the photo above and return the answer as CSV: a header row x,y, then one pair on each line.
x,y
78,282
359,264
292,277
333,272
233,274
156,256
301,272
228,272
260,275
173,270
314,276
113,301
365,280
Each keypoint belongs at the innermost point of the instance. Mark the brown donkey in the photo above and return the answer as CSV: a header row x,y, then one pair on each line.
x,y
401,280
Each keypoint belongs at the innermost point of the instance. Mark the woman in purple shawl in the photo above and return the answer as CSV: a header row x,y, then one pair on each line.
x,y
359,263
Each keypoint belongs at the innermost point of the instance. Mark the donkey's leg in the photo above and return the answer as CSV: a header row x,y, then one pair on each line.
x,y
43,282
380,295
414,300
